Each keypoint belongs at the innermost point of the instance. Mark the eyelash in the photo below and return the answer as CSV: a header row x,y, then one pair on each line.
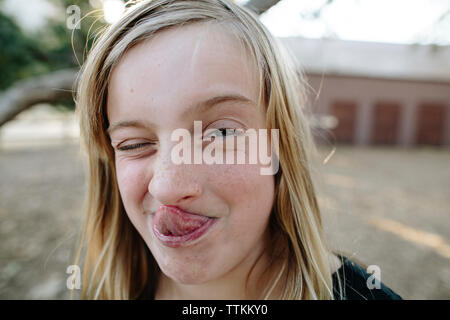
x,y
134,146
142,144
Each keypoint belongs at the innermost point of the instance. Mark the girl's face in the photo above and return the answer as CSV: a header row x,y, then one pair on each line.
x,y
158,87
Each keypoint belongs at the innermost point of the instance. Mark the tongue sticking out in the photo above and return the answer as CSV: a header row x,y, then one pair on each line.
x,y
171,221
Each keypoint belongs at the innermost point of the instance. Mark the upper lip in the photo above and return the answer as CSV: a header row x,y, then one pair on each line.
x,y
182,209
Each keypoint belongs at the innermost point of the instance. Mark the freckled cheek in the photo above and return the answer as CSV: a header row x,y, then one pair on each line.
x,y
131,176
248,194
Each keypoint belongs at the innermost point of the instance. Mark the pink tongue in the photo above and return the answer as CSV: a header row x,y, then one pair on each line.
x,y
172,222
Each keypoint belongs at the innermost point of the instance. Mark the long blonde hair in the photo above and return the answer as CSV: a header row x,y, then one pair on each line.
x,y
117,262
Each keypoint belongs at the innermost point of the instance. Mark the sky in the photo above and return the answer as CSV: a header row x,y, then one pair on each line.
x,y
391,21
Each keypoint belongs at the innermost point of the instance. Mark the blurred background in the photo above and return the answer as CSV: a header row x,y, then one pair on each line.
x,y
378,75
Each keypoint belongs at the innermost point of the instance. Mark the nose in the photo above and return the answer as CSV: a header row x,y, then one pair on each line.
x,y
174,184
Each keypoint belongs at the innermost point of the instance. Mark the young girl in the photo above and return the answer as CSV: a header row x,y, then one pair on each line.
x,y
159,229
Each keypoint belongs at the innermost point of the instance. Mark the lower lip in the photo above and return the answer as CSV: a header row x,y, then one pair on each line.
x,y
186,240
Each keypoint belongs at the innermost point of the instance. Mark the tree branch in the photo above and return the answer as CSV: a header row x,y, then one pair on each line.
x,y
50,88
260,6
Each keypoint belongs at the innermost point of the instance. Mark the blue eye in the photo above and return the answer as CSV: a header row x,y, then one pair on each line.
x,y
226,131
223,132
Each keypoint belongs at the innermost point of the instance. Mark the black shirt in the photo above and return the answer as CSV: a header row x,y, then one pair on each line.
x,y
353,280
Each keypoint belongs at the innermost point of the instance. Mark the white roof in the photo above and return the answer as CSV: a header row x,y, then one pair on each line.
x,y
369,59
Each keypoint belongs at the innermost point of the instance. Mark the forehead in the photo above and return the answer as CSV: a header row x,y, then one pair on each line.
x,y
179,66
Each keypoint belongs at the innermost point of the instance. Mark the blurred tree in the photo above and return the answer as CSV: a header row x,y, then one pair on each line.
x,y
30,63
67,47
44,50
41,66
18,53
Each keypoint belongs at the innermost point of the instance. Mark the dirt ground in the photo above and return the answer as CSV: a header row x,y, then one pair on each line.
x,y
388,207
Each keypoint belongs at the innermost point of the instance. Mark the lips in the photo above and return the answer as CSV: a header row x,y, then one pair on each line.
x,y
172,221
175,227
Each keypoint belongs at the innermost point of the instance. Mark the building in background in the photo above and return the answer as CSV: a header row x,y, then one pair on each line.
x,y
377,93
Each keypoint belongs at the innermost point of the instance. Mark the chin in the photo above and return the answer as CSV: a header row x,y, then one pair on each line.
x,y
188,277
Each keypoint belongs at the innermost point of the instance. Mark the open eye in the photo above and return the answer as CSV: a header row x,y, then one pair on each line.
x,y
221,133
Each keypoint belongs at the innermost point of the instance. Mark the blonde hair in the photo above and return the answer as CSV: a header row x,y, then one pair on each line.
x,y
117,262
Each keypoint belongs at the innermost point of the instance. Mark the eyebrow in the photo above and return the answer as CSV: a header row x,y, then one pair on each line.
x,y
196,108
215,101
